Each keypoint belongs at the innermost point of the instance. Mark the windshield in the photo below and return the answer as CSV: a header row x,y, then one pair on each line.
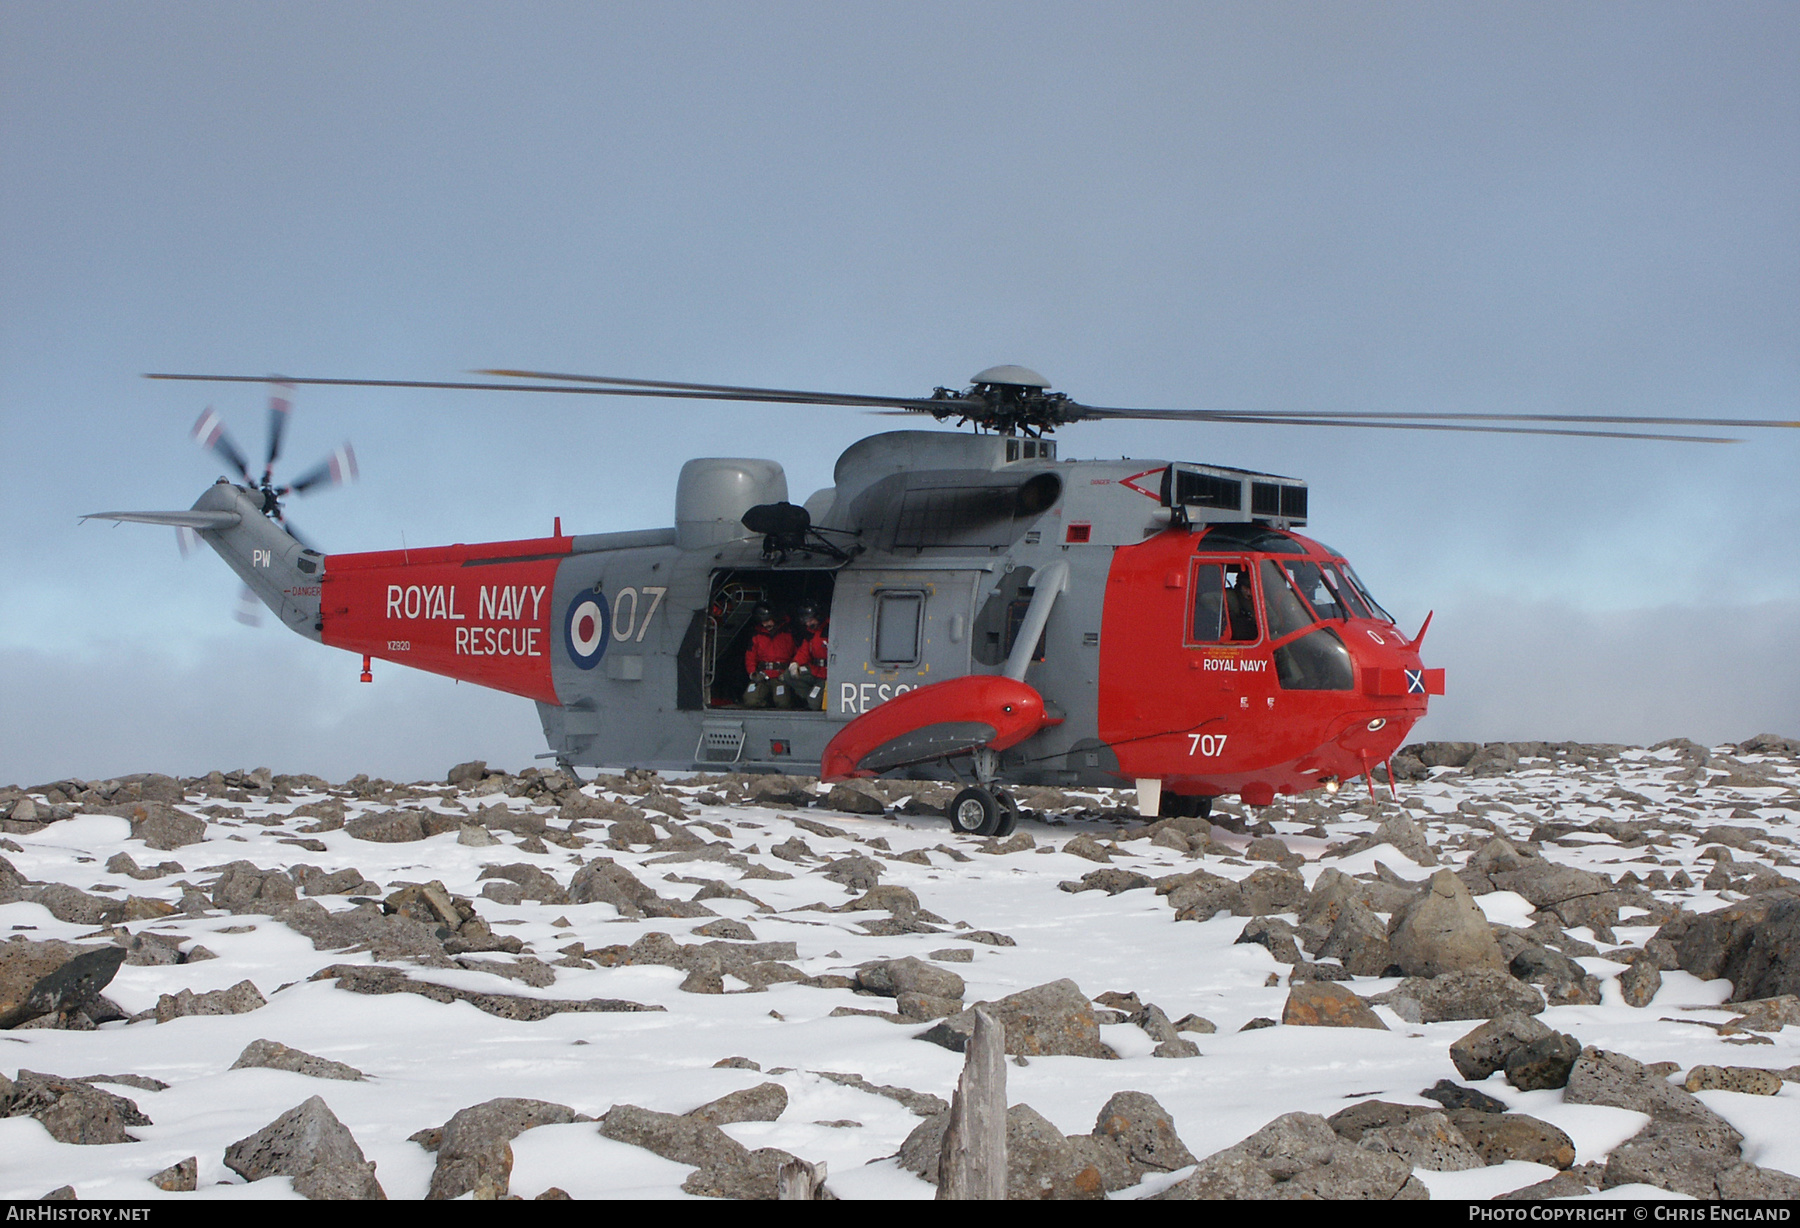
x,y
1362,590
1287,613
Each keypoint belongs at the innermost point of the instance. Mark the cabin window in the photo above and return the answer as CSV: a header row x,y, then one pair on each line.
x,y
898,619
1224,610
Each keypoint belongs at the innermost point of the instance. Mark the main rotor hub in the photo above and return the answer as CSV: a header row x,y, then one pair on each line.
x,y
1008,400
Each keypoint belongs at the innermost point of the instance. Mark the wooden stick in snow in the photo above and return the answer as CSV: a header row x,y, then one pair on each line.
x,y
972,1163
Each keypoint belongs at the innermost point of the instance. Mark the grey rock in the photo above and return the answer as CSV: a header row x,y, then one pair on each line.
x,y
925,1007
241,998
1365,1115
1136,1137
602,881
475,1149
1563,981
1298,1156
686,1140
1111,880
1748,1183
1271,889
1640,982
1056,1018
274,1055
533,883
1443,931
386,827
891,978
1086,847
74,905
1043,1164
1499,1137
309,1144
1454,1096
359,978
1755,944
38,979
1602,1077
245,888
1460,995
466,774
1200,896
1746,1080
850,799
1674,1154
367,928
161,826
1425,1140
1327,1004
764,1102
1274,934
179,1178
1575,897
1358,939
1483,1051
1543,1063
72,1110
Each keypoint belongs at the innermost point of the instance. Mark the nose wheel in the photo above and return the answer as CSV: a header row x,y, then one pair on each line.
x,y
979,811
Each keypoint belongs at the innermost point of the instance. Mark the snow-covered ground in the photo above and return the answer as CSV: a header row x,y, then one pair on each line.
x,y
426,1060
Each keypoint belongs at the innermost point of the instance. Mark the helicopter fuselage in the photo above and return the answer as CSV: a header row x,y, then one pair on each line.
x,y
1184,633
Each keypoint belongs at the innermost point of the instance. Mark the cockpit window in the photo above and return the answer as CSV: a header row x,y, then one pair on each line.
x,y
1320,593
1345,592
1287,613
1362,591
1234,535
1224,610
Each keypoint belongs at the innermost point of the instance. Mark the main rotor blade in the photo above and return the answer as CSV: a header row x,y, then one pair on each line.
x,y
651,389
1451,426
1376,416
1251,418
210,432
280,403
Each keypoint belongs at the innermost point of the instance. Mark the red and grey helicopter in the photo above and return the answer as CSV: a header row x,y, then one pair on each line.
x,y
997,614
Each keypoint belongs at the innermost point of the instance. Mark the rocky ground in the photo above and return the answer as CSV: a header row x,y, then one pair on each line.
x,y
1547,970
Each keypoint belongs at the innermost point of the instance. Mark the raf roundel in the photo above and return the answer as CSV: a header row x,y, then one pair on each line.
x,y
587,628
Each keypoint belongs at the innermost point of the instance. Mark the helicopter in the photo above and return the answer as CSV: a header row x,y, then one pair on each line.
x,y
983,610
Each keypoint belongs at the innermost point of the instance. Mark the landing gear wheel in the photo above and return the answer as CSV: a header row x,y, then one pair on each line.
x,y
1009,813
1183,806
975,812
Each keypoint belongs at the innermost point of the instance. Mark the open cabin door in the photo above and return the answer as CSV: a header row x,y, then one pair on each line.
x,y
892,631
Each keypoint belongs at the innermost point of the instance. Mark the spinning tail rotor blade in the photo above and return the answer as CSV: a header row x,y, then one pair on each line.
x,y
210,432
281,403
334,470
249,609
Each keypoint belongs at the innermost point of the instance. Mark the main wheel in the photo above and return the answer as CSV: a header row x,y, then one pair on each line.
x,y
1009,813
1183,806
975,812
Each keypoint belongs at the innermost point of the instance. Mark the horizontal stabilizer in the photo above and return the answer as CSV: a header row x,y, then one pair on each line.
x,y
182,520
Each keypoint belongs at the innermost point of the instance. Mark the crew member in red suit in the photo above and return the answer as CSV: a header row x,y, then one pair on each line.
x,y
806,674
766,661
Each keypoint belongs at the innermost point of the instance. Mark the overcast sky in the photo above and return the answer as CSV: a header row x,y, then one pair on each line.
x,y
1576,208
